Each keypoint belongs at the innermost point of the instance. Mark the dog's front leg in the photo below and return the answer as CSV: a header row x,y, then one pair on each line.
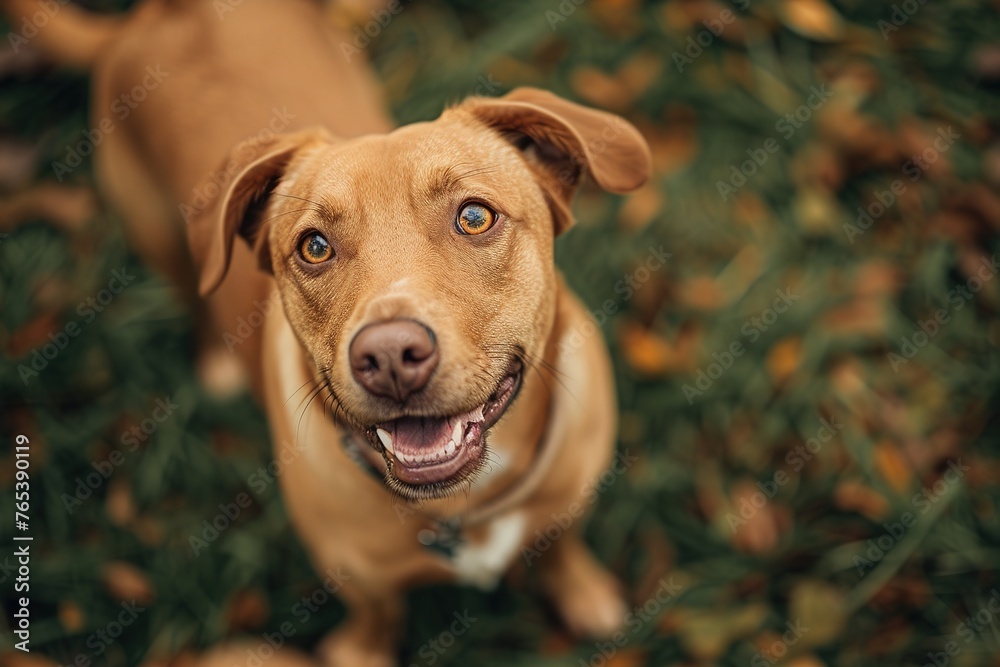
x,y
587,596
369,636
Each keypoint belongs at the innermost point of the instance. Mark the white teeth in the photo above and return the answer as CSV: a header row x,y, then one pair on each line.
x,y
413,458
386,439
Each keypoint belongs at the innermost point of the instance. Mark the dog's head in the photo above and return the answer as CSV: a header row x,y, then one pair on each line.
x,y
416,267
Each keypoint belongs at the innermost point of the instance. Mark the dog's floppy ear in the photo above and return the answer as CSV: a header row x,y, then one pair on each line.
x,y
563,140
255,168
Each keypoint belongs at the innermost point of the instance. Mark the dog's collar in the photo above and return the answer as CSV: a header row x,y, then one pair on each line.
x,y
445,534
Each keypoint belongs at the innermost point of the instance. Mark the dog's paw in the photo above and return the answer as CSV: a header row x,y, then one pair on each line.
x,y
245,653
593,609
342,649
587,597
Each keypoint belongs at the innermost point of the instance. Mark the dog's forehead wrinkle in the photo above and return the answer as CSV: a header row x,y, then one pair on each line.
x,y
407,175
446,143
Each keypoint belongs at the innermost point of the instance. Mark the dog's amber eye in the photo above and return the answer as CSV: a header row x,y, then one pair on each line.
x,y
475,219
315,249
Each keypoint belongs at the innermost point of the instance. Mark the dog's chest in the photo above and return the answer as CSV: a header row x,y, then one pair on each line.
x,y
482,562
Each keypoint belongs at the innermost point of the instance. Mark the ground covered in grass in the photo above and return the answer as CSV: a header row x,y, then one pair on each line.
x,y
810,381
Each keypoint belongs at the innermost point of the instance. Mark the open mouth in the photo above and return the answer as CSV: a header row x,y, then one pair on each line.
x,y
426,457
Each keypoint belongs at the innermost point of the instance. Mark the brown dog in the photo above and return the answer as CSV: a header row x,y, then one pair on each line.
x,y
409,285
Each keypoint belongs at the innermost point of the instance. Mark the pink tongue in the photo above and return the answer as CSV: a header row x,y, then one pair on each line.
x,y
421,435
423,449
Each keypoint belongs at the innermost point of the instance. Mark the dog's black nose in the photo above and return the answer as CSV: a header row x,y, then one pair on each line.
x,y
393,359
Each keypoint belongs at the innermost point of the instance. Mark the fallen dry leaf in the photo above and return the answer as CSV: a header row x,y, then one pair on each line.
x,y
862,317
641,207
597,87
852,495
814,19
783,359
71,616
701,293
126,582
247,610
628,657
119,504
755,528
892,466
818,606
19,659
645,351
707,633
640,71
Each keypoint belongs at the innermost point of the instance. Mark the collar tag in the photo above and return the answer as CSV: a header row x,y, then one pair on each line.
x,y
444,538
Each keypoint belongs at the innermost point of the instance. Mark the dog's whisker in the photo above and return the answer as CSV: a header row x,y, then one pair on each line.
x,y
305,398
541,366
304,384
298,424
308,398
339,414
297,210
321,206
495,460
551,368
